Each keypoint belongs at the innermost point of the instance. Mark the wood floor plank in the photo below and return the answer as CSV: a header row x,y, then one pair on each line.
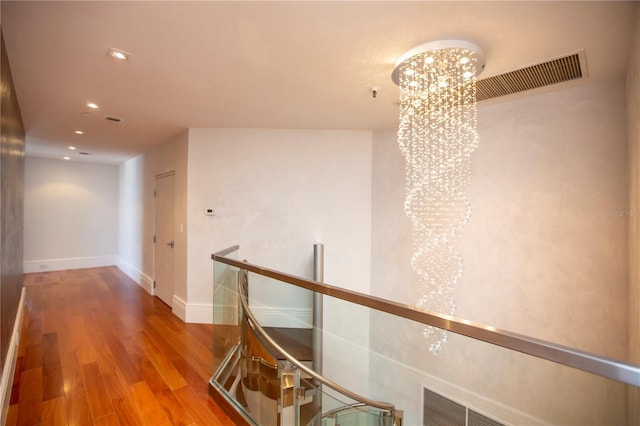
x,y
52,383
129,369
34,329
15,386
105,359
164,396
99,401
151,412
201,407
104,356
162,364
197,354
122,399
49,313
191,375
30,404
33,356
85,350
23,332
12,415
77,405
71,372
54,412
174,410
152,376
161,342
66,340
96,349
108,420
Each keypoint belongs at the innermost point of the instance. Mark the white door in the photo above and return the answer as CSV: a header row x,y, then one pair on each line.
x,y
164,237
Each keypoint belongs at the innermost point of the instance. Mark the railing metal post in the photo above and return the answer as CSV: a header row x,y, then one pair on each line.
x,y
318,275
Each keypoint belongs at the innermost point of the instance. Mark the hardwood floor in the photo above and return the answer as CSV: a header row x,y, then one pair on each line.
x,y
96,349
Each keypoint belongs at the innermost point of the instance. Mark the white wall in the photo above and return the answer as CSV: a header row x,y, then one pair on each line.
x,y
137,182
131,217
543,256
277,192
70,214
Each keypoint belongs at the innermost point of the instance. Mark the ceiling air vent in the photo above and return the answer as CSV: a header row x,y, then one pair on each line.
x,y
555,71
114,119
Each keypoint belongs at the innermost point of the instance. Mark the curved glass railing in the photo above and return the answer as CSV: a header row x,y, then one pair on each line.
x,y
373,351
266,383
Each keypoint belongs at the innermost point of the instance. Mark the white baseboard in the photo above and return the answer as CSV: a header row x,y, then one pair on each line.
x,y
10,362
142,279
44,265
179,308
225,314
203,313
269,316
199,313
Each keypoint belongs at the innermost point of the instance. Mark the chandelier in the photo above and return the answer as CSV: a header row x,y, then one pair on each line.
x,y
436,135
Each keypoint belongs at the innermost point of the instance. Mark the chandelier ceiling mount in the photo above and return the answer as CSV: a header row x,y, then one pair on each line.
x,y
475,54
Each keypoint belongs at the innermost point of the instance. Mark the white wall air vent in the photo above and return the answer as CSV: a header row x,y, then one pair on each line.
x,y
113,119
438,410
559,70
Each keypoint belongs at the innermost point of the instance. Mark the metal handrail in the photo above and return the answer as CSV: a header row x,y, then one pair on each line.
x,y
582,360
255,326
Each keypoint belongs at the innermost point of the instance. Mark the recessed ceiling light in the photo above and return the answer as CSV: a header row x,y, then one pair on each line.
x,y
118,54
79,132
66,158
72,148
92,105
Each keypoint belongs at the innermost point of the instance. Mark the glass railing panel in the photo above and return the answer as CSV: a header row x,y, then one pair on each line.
x,y
226,325
279,304
386,358
288,320
322,406
345,340
229,376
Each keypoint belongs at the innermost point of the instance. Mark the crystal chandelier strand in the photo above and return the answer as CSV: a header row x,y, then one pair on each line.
x,y
436,136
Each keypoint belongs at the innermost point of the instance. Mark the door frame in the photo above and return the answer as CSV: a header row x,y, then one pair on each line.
x,y
154,230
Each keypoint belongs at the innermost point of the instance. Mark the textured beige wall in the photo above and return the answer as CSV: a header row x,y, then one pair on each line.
x,y
11,206
544,256
545,251
633,110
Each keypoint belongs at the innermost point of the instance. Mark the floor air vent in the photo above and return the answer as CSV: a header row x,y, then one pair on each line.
x,y
559,70
441,411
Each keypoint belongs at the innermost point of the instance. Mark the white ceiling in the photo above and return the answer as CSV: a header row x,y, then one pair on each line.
x,y
263,64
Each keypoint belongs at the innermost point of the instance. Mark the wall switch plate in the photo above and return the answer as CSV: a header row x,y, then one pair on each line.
x,y
210,212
